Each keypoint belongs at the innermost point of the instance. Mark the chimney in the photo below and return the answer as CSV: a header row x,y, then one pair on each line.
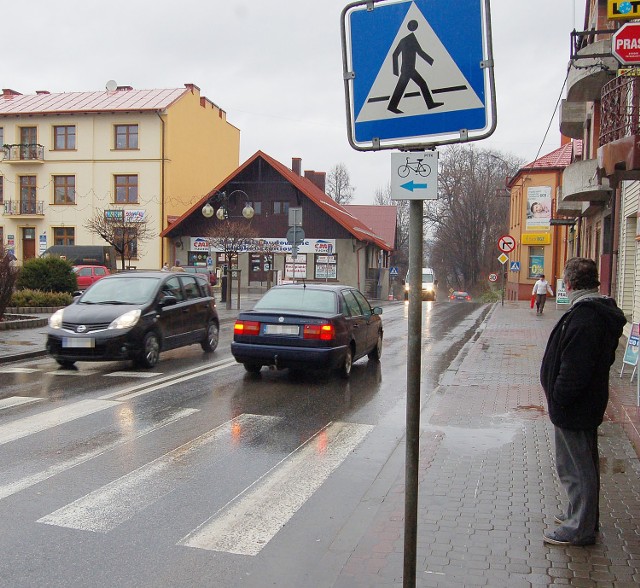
x,y
318,178
296,165
7,93
41,92
123,88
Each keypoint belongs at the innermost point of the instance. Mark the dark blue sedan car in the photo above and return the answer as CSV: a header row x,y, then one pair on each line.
x,y
308,326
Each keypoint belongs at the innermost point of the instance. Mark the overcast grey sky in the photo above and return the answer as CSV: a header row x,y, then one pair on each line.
x,y
275,67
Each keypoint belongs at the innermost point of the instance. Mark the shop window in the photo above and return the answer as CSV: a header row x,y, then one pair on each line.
x,y
326,267
536,262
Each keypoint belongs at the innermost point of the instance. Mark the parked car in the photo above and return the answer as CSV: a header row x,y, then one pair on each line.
x,y
460,297
209,274
134,315
89,274
308,326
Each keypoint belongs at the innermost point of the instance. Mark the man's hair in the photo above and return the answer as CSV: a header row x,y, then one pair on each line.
x,y
581,273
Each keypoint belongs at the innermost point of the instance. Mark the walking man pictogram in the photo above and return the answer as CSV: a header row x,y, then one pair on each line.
x,y
409,48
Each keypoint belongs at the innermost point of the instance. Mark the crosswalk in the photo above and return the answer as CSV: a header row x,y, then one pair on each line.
x,y
249,515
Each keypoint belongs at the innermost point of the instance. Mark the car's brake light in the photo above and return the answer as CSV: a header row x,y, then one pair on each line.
x,y
323,332
246,328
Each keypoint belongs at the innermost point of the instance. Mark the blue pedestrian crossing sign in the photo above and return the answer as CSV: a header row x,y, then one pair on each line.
x,y
514,266
393,271
417,73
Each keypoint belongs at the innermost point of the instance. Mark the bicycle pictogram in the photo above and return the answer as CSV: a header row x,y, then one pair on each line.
x,y
416,166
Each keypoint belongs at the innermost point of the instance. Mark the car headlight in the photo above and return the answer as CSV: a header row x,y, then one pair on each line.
x,y
126,320
55,320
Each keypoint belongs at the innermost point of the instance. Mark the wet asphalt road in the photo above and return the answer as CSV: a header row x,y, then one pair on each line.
x,y
196,473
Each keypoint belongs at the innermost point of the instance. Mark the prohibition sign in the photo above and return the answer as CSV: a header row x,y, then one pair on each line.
x,y
493,277
506,243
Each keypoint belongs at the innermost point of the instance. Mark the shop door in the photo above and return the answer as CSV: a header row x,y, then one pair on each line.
x,y
259,265
28,243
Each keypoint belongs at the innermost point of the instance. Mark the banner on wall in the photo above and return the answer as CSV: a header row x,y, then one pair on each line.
x,y
538,207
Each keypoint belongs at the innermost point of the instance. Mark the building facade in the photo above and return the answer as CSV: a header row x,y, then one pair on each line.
x,y
336,245
148,154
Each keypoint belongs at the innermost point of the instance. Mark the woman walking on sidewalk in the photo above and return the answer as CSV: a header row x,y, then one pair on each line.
x,y
540,290
575,377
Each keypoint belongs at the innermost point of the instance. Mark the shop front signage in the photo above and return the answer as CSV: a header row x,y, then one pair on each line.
x,y
536,238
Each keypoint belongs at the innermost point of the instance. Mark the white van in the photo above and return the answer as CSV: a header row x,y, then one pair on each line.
x,y
429,284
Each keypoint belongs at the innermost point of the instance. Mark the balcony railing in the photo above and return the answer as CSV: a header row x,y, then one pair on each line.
x,y
620,109
26,207
23,152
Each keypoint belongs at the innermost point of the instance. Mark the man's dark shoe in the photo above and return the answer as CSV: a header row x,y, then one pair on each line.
x,y
559,519
555,539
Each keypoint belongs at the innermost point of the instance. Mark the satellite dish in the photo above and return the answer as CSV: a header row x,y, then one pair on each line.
x,y
112,85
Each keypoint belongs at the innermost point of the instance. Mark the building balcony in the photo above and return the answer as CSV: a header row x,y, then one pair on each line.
x,y
572,118
22,153
24,208
582,183
569,208
591,65
619,149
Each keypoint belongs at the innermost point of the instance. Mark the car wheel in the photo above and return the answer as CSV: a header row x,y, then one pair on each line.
x,y
376,352
252,368
150,351
210,343
66,363
347,363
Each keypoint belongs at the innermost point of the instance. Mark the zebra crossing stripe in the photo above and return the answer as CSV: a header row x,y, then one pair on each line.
x,y
16,401
248,522
51,418
105,508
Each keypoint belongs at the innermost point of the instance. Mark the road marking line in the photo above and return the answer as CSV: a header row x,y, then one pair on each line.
x,y
18,370
72,372
167,381
153,388
249,521
9,488
105,508
16,401
52,418
132,374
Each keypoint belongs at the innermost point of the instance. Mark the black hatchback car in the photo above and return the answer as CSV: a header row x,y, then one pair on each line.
x,y
135,315
308,326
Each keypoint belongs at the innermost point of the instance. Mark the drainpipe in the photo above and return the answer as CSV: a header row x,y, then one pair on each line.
x,y
358,263
162,172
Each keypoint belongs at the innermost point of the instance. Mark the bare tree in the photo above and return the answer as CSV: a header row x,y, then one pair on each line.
x,y
232,238
122,229
339,184
400,257
8,276
469,216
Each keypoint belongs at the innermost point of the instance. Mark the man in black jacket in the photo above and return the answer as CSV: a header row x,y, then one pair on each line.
x,y
575,378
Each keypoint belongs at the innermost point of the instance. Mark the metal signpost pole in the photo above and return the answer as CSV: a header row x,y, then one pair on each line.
x,y
414,368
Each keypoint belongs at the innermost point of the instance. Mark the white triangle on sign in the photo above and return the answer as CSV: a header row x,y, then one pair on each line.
x,y
443,77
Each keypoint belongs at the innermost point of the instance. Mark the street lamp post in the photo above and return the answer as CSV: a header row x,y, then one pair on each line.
x,y
226,203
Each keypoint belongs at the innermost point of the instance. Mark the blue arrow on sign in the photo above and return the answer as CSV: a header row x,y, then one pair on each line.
x,y
411,186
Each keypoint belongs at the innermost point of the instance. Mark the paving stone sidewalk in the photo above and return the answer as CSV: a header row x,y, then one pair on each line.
x,y
488,487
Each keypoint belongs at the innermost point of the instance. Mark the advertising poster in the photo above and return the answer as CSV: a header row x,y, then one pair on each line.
x,y
631,352
538,208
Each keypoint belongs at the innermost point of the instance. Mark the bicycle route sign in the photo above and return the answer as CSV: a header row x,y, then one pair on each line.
x,y
414,175
417,70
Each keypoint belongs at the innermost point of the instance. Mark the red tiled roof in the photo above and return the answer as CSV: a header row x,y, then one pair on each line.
x,y
560,158
343,217
381,219
78,102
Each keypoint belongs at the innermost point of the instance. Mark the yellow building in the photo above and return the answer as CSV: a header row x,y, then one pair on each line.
x,y
151,153
542,234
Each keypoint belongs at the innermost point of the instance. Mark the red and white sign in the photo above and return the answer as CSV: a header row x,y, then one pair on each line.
x,y
493,277
506,243
625,44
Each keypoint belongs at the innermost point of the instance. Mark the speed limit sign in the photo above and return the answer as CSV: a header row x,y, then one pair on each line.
x,y
493,277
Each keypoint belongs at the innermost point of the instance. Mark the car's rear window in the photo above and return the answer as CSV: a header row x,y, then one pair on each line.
x,y
298,299
121,290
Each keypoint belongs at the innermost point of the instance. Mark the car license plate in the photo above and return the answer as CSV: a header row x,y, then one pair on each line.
x,y
78,342
281,330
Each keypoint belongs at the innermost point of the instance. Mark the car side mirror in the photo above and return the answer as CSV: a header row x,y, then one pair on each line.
x,y
168,300
77,293
377,310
